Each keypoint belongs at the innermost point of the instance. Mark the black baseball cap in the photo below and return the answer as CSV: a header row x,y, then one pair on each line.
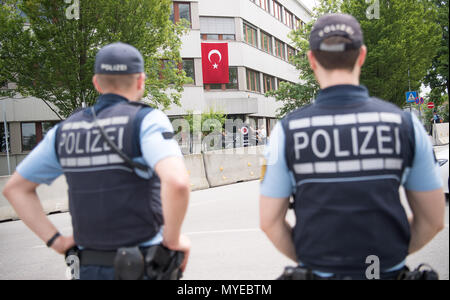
x,y
119,58
330,25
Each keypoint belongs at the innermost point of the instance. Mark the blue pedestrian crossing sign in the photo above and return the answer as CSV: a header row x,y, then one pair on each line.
x,y
411,97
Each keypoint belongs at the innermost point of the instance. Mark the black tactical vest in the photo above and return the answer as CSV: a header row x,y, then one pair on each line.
x,y
110,205
348,158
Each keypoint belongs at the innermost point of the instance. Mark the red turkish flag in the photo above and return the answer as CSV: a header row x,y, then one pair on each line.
x,y
215,63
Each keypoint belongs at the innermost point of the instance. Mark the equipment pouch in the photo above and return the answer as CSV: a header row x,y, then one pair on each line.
x,y
162,263
129,264
422,272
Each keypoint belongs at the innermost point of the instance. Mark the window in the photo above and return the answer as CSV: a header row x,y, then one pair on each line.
x,y
290,53
269,83
4,140
230,37
266,42
188,67
217,28
279,49
276,12
299,24
253,81
219,37
29,139
250,35
262,3
181,10
288,19
33,133
232,85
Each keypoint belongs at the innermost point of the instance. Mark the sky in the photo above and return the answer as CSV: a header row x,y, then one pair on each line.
x,y
309,3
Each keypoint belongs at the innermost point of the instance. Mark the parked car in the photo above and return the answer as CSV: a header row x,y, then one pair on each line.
x,y
442,157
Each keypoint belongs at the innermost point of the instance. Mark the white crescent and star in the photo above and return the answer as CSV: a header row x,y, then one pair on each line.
x,y
214,51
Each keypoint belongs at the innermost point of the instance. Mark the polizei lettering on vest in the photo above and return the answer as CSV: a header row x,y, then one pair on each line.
x,y
347,143
321,142
89,143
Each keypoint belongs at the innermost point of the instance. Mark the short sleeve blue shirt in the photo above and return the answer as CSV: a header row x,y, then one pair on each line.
x,y
42,165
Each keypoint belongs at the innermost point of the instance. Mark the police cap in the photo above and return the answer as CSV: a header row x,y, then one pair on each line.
x,y
331,25
119,59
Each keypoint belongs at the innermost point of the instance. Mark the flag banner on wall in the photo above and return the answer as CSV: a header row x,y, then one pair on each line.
x,y
215,63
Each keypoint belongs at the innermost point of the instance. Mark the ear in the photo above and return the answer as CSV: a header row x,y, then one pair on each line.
x,y
362,56
96,85
141,81
312,60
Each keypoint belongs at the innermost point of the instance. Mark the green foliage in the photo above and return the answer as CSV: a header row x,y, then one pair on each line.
x,y
207,122
52,57
405,37
437,77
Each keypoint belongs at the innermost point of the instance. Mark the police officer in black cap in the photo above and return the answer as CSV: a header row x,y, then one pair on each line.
x,y
343,159
126,175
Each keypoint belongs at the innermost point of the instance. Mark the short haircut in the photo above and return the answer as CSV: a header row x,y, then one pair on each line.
x,y
345,60
117,82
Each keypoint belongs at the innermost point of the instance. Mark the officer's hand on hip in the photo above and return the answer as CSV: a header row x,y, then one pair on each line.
x,y
63,243
183,245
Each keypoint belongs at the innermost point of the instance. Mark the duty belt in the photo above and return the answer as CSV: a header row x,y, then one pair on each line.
x,y
422,272
154,263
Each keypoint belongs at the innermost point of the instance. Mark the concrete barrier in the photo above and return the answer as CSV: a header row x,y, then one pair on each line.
x,y
53,198
196,170
233,165
440,134
215,168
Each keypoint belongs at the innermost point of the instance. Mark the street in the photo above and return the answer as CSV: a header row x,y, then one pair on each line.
x,y
226,242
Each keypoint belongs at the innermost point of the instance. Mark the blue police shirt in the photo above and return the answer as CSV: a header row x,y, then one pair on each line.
x,y
42,166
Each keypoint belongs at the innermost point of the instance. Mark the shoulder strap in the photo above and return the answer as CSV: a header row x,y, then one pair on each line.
x,y
128,161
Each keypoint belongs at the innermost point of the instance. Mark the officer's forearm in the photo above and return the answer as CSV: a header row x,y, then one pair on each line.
x,y
175,199
280,234
421,234
25,201
428,214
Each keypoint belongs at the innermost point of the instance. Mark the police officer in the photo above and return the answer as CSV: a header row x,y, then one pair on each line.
x,y
344,158
117,197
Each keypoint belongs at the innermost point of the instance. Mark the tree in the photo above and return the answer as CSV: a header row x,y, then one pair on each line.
x,y
293,95
404,37
437,77
51,56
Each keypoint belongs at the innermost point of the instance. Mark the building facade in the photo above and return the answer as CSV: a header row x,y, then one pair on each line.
x,y
259,51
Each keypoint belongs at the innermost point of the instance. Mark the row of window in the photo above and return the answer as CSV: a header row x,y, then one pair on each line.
x,y
281,13
31,134
269,43
254,81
